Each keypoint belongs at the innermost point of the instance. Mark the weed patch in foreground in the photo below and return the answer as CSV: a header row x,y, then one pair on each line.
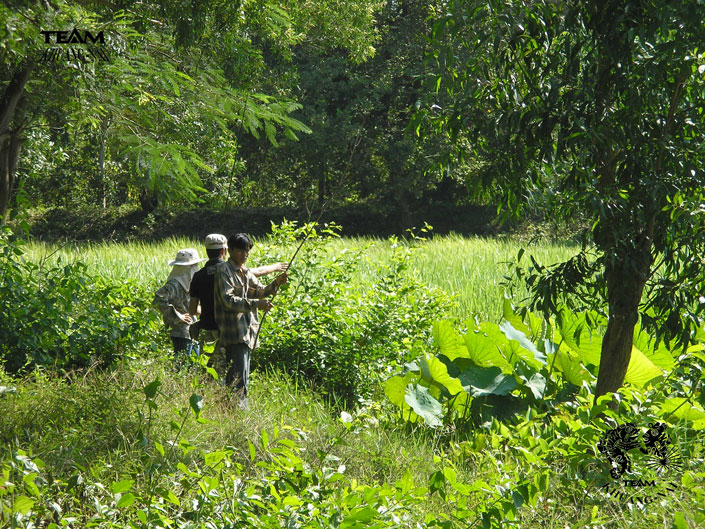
x,y
143,446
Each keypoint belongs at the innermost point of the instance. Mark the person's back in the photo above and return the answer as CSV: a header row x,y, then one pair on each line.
x,y
172,300
202,289
205,330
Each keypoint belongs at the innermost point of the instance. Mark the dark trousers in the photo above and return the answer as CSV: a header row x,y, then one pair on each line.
x,y
237,359
183,347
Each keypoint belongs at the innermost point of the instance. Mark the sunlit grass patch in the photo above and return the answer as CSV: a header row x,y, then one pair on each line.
x,y
471,269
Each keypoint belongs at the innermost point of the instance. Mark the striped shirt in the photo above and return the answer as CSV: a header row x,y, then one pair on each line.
x,y
235,294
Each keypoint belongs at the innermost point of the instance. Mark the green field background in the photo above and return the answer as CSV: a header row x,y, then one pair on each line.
x,y
471,269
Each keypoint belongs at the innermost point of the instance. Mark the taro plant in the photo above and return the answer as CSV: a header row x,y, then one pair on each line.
x,y
489,369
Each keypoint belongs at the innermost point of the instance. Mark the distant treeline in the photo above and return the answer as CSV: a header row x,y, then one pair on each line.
x,y
93,224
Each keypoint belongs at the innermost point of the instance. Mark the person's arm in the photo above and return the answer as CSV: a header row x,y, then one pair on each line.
x,y
262,292
193,306
272,287
230,296
162,301
268,269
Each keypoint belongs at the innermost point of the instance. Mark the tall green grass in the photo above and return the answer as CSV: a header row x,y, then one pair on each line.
x,y
471,269
92,419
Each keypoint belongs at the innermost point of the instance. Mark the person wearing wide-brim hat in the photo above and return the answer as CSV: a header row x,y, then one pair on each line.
x,y
172,300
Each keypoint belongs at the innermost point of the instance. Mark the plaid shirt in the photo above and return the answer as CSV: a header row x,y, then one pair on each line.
x,y
235,294
172,301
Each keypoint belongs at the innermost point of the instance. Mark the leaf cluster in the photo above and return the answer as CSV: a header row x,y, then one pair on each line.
x,y
342,337
591,112
493,370
57,314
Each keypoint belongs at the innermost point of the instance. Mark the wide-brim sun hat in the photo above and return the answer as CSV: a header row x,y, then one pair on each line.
x,y
186,257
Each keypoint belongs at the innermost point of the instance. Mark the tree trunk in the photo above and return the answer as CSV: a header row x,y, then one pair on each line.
x,y
322,188
148,201
12,115
626,277
103,187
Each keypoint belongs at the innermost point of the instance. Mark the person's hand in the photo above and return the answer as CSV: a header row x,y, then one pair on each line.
x,y
281,267
264,304
187,319
283,278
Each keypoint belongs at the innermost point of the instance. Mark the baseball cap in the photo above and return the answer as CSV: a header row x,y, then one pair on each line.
x,y
216,241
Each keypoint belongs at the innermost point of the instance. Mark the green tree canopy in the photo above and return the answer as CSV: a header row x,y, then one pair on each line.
x,y
181,79
359,149
596,109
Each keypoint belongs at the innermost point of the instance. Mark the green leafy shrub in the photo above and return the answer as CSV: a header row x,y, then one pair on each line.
x,y
60,315
340,336
491,369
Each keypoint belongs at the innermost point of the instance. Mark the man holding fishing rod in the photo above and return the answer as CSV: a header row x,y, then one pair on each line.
x,y
237,296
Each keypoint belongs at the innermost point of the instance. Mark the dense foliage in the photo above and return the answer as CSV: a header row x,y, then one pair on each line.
x,y
154,115
498,370
594,107
142,447
265,103
341,336
59,314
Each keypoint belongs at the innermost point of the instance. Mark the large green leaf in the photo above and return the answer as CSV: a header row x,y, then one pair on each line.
x,y
641,370
682,409
450,343
520,345
568,363
481,381
484,346
537,385
576,337
513,318
574,332
421,401
533,328
435,371
660,356
395,390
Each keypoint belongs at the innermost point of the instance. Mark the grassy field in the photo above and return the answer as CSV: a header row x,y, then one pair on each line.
x,y
98,434
471,269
